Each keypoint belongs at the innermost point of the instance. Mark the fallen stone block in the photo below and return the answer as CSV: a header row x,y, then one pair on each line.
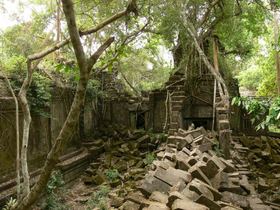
x,y
229,167
212,168
208,202
220,179
205,157
192,160
216,160
174,196
230,208
187,205
197,173
143,202
172,176
159,197
257,204
236,199
198,140
200,189
233,188
177,140
129,205
151,184
181,162
157,207
217,195
262,185
169,156
192,195
204,147
186,151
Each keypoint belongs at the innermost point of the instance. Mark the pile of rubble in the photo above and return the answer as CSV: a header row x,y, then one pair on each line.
x,y
121,159
189,175
262,154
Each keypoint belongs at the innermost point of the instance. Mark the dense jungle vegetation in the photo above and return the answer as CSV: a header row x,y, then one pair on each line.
x,y
68,43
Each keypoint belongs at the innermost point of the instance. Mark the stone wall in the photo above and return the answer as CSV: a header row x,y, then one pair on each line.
x,y
44,129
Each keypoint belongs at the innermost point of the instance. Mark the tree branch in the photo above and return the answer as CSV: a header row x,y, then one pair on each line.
x,y
95,56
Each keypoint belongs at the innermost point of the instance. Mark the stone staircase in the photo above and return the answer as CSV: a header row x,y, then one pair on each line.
x,y
175,86
223,126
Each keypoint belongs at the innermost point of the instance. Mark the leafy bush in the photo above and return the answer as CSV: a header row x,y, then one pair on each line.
x,y
112,175
99,199
150,157
264,113
53,202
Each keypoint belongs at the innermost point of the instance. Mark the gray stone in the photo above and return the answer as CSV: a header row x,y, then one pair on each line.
x,y
151,184
159,197
172,176
197,173
192,195
208,202
197,186
129,205
157,207
187,205
236,199
174,196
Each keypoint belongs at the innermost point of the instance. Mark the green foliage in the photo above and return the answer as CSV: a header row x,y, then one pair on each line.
x,y
112,175
10,204
150,157
53,202
263,113
99,199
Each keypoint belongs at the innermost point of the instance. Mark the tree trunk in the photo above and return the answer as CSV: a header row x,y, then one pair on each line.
x,y
26,128
216,66
85,66
17,136
276,43
223,90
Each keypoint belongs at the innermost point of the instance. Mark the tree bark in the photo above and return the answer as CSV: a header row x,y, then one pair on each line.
x,y
26,127
276,43
17,136
85,66
224,91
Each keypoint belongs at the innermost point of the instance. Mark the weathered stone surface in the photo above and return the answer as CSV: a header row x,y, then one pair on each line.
x,y
217,195
205,157
200,189
174,196
151,184
208,202
229,166
192,195
197,173
257,204
186,151
159,197
115,200
129,205
230,208
262,185
177,140
204,147
172,176
236,199
218,162
187,205
182,162
212,168
157,207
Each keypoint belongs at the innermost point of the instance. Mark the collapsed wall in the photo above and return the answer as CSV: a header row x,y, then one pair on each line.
x,y
190,175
